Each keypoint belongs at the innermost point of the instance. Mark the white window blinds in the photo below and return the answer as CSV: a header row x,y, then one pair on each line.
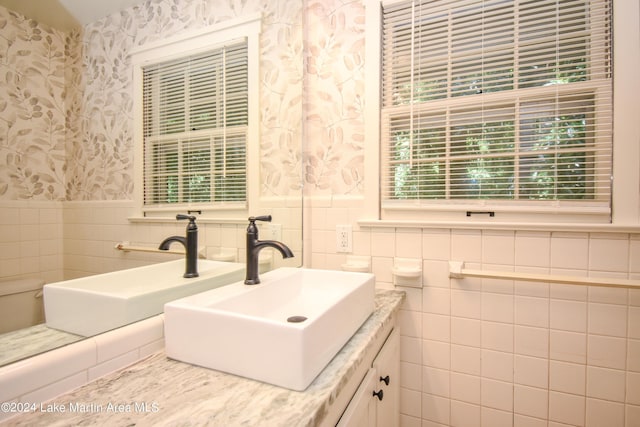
x,y
195,126
496,100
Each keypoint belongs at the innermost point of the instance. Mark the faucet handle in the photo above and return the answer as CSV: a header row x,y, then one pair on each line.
x,y
266,218
252,229
191,227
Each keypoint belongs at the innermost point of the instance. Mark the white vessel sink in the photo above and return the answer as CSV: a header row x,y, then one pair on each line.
x,y
283,331
91,305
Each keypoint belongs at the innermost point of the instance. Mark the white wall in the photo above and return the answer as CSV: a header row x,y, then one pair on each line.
x,y
498,352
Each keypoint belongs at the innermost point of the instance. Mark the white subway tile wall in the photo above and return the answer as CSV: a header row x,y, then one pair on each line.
x,y
31,240
481,352
65,240
474,351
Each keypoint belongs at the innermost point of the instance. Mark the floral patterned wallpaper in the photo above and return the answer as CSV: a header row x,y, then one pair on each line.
x,y
334,148
66,123
66,120
100,84
32,117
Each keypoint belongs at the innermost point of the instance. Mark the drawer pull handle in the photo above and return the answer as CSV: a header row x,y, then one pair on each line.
x,y
385,379
379,394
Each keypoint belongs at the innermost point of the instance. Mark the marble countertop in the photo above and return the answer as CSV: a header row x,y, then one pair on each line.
x,y
160,391
27,342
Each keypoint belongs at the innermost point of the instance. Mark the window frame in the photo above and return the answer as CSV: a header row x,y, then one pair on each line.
x,y
181,46
625,197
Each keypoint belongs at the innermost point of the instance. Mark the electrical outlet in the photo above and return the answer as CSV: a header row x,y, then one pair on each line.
x,y
344,238
276,231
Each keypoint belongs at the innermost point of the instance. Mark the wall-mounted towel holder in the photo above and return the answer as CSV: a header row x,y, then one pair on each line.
x,y
457,271
127,247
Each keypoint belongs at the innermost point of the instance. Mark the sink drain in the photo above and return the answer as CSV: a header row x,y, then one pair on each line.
x,y
296,319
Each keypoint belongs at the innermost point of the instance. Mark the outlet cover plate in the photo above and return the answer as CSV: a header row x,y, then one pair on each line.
x,y
344,239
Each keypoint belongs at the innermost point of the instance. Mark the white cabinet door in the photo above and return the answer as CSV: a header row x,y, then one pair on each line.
x,y
387,366
377,400
361,411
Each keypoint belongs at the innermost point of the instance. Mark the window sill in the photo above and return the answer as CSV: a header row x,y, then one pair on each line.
x,y
489,225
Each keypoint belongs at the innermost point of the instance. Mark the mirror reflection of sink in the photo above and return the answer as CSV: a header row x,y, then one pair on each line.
x,y
283,331
91,305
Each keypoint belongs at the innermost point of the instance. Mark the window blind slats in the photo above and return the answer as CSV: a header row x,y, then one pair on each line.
x,y
195,126
496,99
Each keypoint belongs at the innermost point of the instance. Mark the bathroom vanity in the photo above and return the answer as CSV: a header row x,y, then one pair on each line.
x,y
162,391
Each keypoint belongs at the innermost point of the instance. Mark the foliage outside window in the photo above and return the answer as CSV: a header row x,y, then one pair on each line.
x,y
496,100
195,112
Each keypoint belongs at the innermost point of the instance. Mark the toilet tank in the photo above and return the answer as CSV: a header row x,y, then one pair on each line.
x,y
20,304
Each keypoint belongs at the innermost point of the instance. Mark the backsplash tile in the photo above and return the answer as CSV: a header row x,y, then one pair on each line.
x,y
465,387
497,365
634,322
567,377
466,304
498,247
497,336
124,340
632,415
605,413
464,359
436,408
609,253
55,389
567,408
466,245
607,319
30,374
531,311
569,251
607,351
531,371
522,352
436,244
633,388
435,381
465,414
568,346
466,331
633,355
568,315
497,307
530,401
45,376
604,383
31,239
497,395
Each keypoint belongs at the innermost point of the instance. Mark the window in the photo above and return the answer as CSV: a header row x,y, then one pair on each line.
x,y
197,139
496,103
195,128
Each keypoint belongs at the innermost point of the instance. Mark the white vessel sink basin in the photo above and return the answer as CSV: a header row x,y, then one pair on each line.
x,y
283,331
91,305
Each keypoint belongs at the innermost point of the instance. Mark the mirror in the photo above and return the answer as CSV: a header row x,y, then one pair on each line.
x,y
66,126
